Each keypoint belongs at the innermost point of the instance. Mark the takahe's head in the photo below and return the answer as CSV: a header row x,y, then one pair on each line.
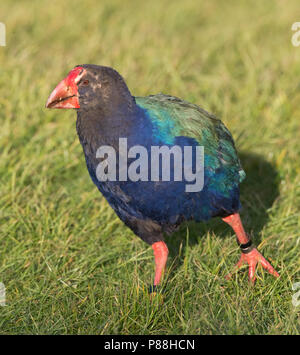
x,y
90,86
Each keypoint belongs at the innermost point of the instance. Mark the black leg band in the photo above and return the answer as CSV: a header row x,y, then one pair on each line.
x,y
152,289
247,247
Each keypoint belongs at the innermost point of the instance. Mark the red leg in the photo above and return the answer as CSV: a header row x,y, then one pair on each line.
x,y
161,252
251,258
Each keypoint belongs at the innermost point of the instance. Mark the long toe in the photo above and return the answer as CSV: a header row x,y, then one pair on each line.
x,y
239,264
255,257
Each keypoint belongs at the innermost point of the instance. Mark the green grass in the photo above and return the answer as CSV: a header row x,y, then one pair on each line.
x,y
68,264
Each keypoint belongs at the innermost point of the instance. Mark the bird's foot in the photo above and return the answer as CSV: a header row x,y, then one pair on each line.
x,y
156,295
252,259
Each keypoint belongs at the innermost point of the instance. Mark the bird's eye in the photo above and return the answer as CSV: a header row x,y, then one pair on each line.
x,y
85,82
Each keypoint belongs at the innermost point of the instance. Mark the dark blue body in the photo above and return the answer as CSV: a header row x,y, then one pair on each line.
x,y
164,203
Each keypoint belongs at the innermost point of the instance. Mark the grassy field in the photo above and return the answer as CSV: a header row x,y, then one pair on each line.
x,y
68,264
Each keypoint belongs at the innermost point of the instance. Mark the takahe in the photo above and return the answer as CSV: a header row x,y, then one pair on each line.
x,y
107,113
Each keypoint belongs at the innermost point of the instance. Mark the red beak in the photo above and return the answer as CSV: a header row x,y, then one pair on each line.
x,y
65,95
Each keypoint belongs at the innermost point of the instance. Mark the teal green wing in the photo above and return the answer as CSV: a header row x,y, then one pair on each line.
x,y
173,117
